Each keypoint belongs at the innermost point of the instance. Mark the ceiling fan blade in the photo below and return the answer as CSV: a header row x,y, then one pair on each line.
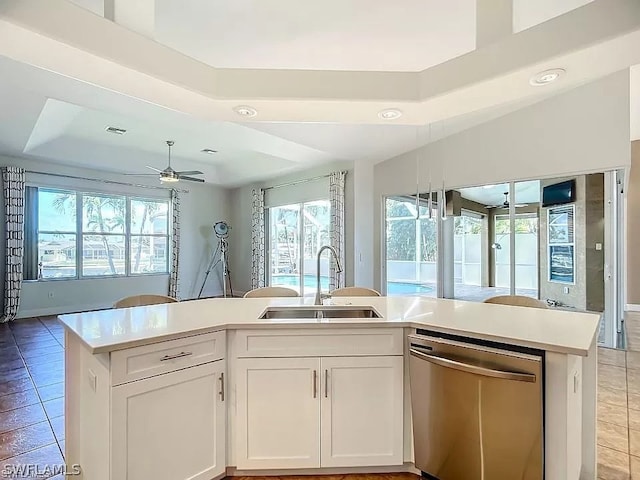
x,y
141,174
153,168
191,179
190,172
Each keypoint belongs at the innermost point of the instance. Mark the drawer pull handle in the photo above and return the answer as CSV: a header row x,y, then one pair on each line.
x,y
177,355
221,392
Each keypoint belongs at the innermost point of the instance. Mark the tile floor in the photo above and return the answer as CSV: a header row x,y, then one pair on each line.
x,y
31,393
32,400
619,407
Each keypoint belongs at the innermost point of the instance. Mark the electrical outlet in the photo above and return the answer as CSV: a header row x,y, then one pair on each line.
x,y
598,246
51,295
566,290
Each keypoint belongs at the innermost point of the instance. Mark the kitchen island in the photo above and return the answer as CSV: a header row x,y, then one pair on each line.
x,y
196,390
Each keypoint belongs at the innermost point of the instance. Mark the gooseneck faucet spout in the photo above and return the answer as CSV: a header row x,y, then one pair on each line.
x,y
319,295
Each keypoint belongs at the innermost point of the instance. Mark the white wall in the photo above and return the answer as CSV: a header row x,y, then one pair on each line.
x,y
200,208
583,130
240,237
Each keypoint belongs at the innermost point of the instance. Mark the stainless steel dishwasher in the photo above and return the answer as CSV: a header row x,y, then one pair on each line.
x,y
477,409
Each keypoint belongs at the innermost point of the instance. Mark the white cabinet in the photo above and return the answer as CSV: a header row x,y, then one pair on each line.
x,y
171,426
362,411
278,421
319,412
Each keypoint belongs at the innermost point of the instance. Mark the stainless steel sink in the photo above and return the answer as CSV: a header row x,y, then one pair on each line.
x,y
338,311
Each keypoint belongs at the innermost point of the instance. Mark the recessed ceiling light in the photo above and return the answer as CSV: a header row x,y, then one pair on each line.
x,y
208,151
546,77
390,114
245,111
116,130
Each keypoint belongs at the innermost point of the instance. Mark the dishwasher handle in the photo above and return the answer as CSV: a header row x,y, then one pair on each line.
x,y
471,368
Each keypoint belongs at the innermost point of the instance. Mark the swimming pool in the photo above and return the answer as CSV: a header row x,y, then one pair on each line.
x,y
393,288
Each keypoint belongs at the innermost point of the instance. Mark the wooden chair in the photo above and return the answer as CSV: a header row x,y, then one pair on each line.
x,y
355,292
266,292
140,300
517,301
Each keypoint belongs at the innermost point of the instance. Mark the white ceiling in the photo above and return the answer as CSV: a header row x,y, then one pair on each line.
x,y
55,118
526,193
364,35
528,13
367,35
61,117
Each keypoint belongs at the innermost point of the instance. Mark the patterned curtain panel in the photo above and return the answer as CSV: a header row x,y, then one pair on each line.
x,y
257,239
336,228
13,193
174,277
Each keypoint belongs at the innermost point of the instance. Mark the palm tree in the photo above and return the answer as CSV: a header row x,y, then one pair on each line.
x,y
150,212
93,210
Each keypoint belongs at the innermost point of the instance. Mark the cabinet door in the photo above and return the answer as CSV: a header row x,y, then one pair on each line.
x,y
362,411
278,413
170,427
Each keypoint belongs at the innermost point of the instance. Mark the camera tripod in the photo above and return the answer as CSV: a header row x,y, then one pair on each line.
x,y
220,256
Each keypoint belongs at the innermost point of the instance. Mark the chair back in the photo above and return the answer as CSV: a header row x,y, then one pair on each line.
x,y
517,301
140,300
266,292
355,292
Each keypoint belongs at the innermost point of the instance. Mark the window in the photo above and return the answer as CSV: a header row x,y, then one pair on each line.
x,y
103,235
117,235
57,239
411,247
149,236
296,233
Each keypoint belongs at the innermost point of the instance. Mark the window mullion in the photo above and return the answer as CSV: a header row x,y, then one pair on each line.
x,y
301,247
79,236
127,237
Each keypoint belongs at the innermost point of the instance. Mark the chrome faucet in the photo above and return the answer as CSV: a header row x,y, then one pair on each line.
x,y
319,295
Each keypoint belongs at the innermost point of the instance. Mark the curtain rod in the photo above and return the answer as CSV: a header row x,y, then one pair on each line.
x,y
297,182
110,182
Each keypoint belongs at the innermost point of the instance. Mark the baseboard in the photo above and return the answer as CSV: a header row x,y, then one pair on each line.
x,y
631,307
404,468
61,310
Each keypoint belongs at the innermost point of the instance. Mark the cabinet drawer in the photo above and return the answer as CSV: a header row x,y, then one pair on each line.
x,y
319,342
149,360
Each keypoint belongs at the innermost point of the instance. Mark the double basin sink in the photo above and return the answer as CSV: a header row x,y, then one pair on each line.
x,y
319,312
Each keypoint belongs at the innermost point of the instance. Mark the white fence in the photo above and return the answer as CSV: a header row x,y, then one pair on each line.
x,y
468,260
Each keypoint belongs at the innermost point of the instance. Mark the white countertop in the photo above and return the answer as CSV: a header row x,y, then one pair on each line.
x,y
550,330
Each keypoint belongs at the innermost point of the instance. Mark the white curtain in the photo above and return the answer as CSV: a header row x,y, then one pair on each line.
x,y
13,192
174,278
257,239
336,228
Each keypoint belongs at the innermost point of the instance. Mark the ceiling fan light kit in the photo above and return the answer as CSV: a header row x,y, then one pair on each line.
x,y
169,175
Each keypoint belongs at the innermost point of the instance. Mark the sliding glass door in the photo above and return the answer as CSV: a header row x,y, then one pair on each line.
x,y
296,233
411,247
469,254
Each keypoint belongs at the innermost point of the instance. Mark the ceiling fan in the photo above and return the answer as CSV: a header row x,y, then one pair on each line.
x,y
169,174
505,204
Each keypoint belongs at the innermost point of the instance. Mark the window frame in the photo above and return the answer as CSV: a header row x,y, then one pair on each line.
x,y
80,233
